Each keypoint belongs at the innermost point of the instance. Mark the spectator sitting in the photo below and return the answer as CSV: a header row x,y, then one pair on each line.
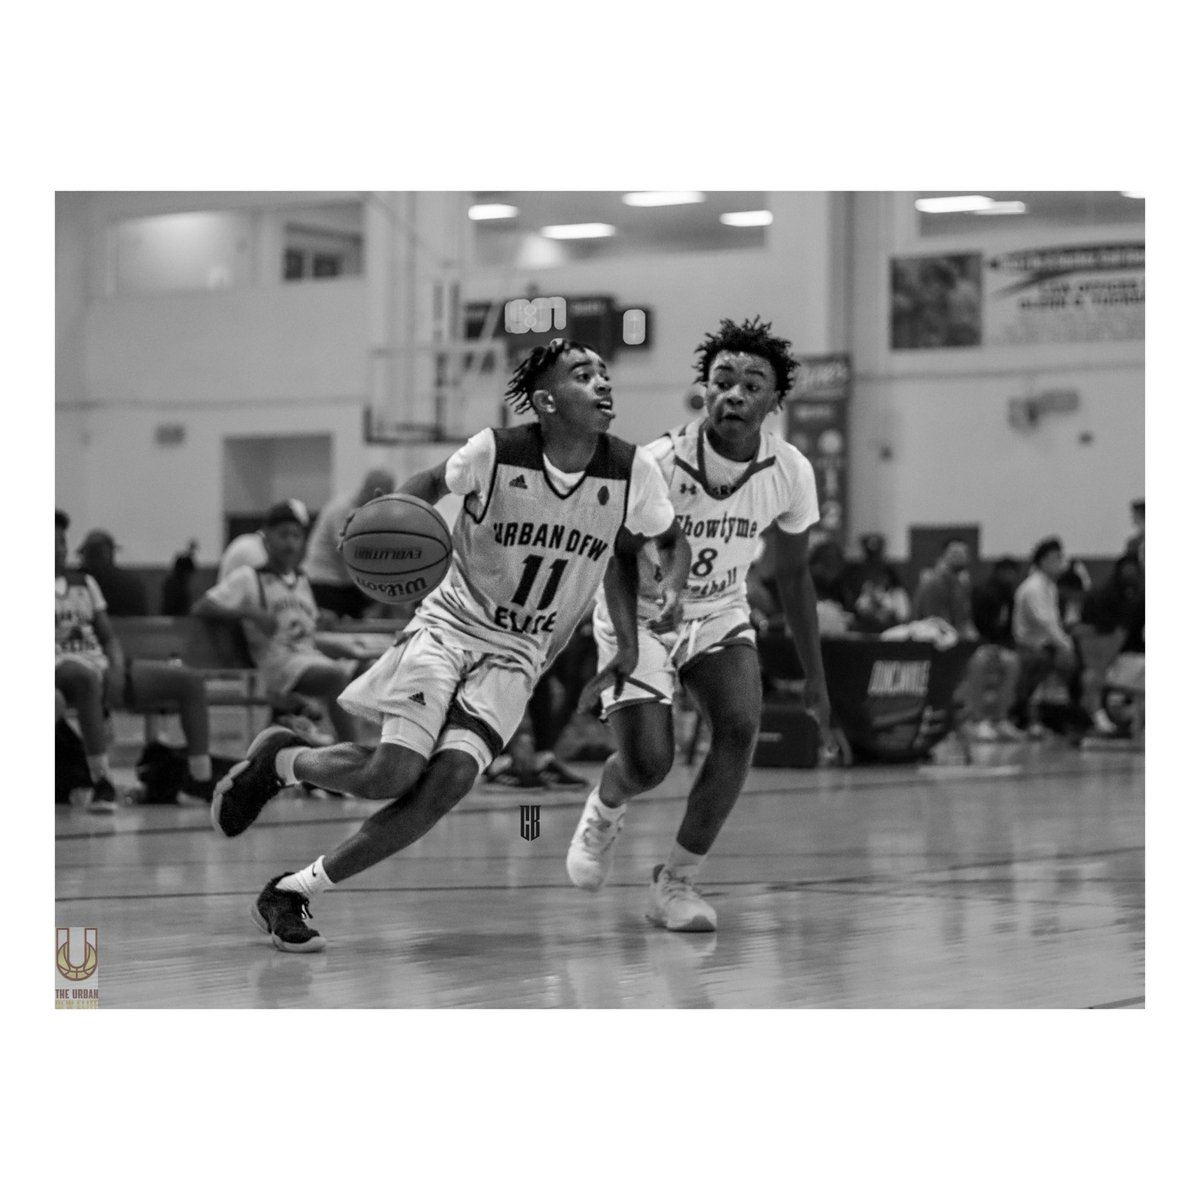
x,y
991,610
124,592
250,549
177,587
91,673
827,566
331,584
1084,683
945,592
1044,647
279,614
873,591
1120,604
1135,546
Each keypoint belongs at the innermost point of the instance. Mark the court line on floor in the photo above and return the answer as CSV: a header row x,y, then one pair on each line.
x,y
1132,1002
558,800
713,887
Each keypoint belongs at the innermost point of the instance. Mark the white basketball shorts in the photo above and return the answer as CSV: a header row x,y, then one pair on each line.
x,y
430,695
661,657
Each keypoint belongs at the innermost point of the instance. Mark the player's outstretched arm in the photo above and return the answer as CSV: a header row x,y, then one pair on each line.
x,y
799,597
620,593
429,485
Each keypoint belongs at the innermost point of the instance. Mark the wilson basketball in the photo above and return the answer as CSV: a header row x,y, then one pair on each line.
x,y
396,548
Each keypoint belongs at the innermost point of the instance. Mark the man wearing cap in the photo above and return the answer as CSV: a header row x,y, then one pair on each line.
x,y
279,614
249,549
124,593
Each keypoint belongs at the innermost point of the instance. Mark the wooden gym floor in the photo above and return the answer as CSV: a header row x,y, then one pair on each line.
x,y
1019,884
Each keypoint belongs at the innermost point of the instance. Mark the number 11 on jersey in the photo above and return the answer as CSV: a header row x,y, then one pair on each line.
x,y
533,564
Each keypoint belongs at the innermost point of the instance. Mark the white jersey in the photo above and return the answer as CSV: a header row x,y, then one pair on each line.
x,y
77,600
723,508
530,545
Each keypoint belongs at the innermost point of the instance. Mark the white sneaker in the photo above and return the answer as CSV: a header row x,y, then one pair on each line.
x,y
675,904
1009,732
1103,724
983,731
590,856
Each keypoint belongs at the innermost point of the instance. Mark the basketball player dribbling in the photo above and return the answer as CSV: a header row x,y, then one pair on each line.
x,y
728,481
543,506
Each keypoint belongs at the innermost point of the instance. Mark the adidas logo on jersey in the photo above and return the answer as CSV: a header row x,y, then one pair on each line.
x,y
418,698
519,482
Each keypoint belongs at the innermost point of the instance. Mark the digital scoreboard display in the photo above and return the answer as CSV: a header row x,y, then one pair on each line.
x,y
527,321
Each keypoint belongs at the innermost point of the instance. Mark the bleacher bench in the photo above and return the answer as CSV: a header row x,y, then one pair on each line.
x,y
217,649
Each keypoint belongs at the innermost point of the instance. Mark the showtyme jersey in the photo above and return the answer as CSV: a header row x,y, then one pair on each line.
x,y
723,507
529,553
77,600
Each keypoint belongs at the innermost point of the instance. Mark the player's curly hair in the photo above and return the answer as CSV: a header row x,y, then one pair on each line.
x,y
524,380
750,337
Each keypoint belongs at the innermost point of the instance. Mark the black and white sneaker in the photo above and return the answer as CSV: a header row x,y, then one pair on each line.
x,y
241,795
285,916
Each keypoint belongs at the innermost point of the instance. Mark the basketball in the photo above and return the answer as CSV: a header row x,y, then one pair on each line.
x,y
396,548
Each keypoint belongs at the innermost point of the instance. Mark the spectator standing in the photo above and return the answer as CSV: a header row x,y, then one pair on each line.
x,y
124,593
332,586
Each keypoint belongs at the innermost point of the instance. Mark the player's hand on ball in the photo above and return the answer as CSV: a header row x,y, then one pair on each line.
x,y
614,674
672,611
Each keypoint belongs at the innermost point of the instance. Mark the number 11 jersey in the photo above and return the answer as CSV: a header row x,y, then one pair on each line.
x,y
531,544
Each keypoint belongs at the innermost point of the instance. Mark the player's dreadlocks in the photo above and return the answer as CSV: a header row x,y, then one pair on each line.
x,y
750,337
533,366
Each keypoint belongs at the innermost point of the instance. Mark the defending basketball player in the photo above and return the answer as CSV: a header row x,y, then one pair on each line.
x,y
543,506
728,480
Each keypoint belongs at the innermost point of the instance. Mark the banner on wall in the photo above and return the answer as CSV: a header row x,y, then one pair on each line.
x,y
1057,294
1067,294
816,422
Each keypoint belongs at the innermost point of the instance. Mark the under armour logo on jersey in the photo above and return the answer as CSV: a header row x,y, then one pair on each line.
x,y
602,495
519,482
687,489
417,697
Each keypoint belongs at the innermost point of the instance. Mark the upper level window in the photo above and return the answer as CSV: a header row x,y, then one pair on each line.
x,y
323,242
177,252
238,247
